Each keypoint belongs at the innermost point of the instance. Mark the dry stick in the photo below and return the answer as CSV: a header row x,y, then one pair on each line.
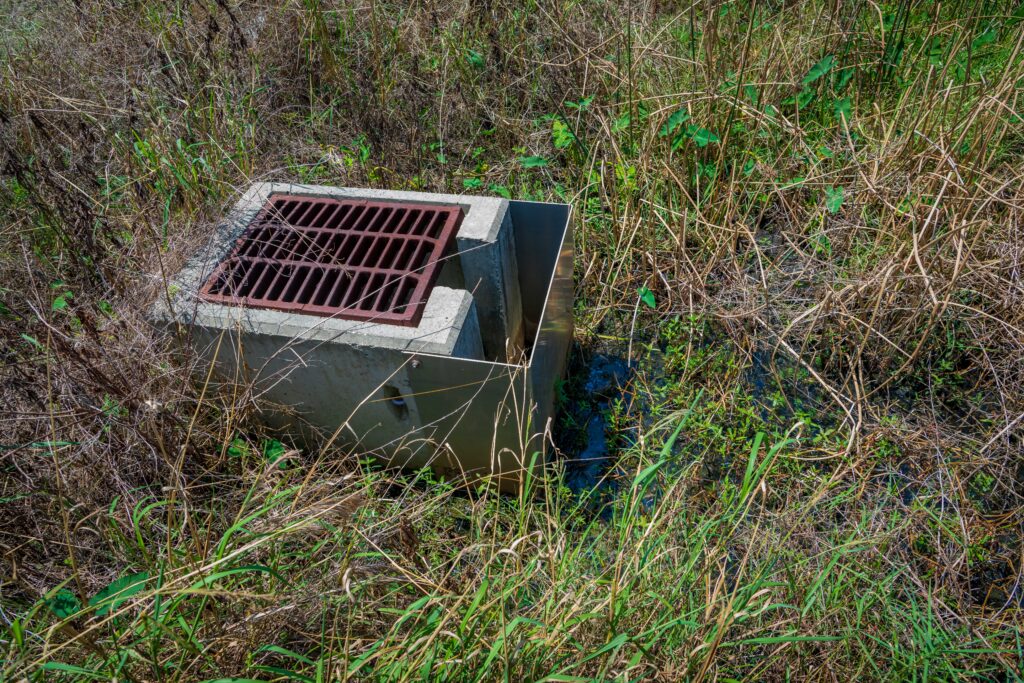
x,y
915,236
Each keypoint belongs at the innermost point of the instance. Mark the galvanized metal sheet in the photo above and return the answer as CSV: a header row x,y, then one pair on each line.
x,y
483,417
476,415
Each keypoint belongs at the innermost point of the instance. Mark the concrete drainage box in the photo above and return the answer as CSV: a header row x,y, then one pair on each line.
x,y
424,329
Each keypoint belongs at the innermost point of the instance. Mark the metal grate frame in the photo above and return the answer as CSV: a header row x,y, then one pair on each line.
x,y
347,258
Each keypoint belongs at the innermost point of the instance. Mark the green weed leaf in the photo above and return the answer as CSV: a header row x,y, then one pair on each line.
x,y
986,38
114,595
819,69
472,183
32,340
843,78
702,136
500,190
277,649
842,107
834,199
647,296
533,162
679,140
475,59
76,670
237,448
560,134
64,604
804,97
678,118
582,105
273,450
61,301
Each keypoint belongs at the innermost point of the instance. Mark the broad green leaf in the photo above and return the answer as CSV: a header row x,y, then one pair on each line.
x,y
475,59
819,69
834,199
238,447
647,296
748,167
804,97
678,118
986,38
622,123
533,162
843,78
751,93
842,107
679,139
61,301
273,450
702,136
500,190
64,604
561,136
472,183
582,104
114,595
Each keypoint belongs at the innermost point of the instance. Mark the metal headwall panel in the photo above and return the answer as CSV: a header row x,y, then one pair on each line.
x,y
493,417
475,413
354,259
547,225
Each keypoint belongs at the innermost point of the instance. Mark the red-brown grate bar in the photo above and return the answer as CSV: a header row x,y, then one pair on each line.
x,y
345,258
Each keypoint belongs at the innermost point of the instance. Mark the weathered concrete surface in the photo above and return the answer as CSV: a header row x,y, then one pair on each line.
x,y
337,374
449,326
445,393
486,262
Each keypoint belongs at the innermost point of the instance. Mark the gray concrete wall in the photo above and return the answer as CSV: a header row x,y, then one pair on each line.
x,y
333,379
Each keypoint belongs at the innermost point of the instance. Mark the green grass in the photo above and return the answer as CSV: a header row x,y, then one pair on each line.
x,y
801,222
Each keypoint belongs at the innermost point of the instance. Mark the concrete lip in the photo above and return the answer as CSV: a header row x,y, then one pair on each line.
x,y
469,390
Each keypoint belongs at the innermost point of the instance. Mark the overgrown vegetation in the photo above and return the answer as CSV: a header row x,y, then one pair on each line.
x,y
801,222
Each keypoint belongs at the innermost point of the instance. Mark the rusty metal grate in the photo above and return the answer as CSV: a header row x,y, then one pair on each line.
x,y
349,258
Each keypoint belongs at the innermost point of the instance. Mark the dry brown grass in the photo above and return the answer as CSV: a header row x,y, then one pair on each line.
x,y
125,130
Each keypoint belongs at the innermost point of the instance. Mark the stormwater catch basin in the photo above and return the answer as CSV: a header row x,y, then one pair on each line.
x,y
423,329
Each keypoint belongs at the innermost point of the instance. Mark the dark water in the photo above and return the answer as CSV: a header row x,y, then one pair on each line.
x,y
591,440
585,437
